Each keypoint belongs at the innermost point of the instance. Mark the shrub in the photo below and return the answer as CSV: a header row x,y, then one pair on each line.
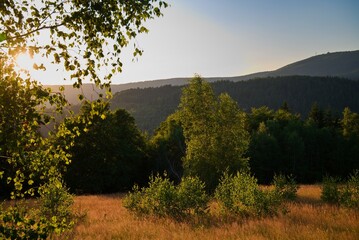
x,y
285,186
342,193
16,222
163,198
267,203
350,193
330,190
53,216
240,194
55,205
192,197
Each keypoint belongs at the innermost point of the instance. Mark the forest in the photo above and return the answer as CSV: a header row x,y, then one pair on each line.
x,y
151,106
110,153
279,141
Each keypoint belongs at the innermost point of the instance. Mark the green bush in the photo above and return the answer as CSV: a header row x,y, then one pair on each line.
x,y
330,190
16,222
342,193
267,203
55,204
240,194
52,217
163,198
350,193
192,197
285,186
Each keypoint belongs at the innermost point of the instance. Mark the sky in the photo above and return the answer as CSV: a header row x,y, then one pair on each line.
x,y
235,37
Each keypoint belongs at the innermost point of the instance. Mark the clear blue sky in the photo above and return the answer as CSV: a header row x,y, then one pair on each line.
x,y
237,37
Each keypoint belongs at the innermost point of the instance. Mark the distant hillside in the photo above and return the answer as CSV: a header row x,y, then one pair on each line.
x,y
151,106
339,64
91,92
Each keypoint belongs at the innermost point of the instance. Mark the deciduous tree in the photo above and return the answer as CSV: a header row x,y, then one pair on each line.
x,y
83,36
214,130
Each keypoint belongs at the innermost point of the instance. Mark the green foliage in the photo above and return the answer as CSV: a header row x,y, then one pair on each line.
x,y
258,116
342,193
168,148
108,151
52,218
83,35
56,201
28,161
16,223
284,143
236,193
214,131
350,194
330,189
192,198
350,123
163,198
2,37
285,186
240,194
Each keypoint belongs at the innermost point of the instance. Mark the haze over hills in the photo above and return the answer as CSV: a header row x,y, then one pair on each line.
x,y
338,64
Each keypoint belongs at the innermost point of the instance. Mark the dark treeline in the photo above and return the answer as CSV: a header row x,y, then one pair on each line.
x,y
322,144
109,152
151,106
280,143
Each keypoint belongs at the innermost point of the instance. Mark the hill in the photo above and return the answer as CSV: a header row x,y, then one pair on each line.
x,y
338,64
151,106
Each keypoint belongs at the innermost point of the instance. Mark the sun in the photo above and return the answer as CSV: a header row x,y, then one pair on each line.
x,y
24,61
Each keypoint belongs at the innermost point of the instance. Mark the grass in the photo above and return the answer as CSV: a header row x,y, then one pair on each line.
x,y
307,218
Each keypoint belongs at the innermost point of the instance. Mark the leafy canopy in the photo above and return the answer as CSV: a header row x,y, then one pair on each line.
x,y
81,35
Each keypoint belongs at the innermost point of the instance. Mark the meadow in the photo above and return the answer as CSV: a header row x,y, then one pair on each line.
x,y
104,217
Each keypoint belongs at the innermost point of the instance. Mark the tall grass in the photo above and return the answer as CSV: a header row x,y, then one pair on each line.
x,y
307,218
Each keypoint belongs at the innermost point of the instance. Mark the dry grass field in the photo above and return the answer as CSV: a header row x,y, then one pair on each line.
x,y
104,217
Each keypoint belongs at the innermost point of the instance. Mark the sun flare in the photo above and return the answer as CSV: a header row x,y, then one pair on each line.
x,y
24,61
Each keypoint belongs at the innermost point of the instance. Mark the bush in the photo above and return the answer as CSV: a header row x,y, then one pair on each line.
x,y
240,194
330,190
53,216
17,222
55,200
342,193
350,193
163,198
285,186
267,203
192,198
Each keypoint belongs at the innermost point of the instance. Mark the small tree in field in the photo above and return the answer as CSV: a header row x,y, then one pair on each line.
x,y
214,131
285,186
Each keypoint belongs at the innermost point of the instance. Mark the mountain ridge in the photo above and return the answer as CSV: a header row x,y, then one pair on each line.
x,y
338,64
